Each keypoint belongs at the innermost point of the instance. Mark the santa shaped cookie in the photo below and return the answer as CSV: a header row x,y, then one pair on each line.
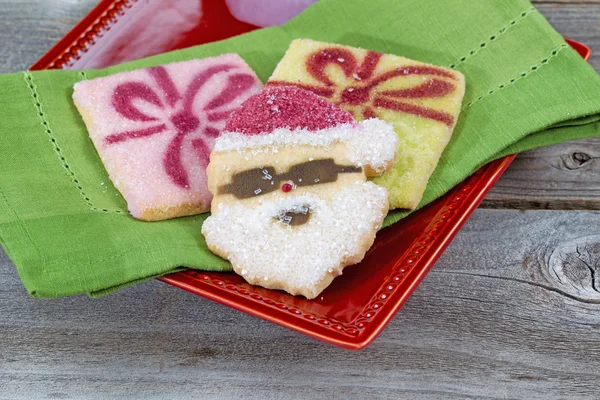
x,y
292,205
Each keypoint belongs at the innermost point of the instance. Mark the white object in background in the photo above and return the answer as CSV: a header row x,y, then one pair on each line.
x,y
267,12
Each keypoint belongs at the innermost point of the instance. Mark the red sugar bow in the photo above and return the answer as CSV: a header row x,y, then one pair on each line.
x,y
365,93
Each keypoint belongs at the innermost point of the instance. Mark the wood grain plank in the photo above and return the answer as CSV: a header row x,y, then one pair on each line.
x,y
563,177
494,319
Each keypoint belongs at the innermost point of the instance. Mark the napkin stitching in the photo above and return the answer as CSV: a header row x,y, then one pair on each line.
x,y
534,68
40,111
501,31
94,208
37,103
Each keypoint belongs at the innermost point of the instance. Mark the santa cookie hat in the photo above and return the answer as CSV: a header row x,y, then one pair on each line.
x,y
290,116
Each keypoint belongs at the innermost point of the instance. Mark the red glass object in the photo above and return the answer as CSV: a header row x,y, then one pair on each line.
x,y
358,305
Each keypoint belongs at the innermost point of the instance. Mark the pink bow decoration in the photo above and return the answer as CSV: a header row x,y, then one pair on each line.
x,y
176,113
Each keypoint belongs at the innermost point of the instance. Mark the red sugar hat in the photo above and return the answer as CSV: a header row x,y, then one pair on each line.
x,y
286,107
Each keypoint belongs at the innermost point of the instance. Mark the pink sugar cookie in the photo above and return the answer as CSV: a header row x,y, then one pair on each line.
x,y
154,129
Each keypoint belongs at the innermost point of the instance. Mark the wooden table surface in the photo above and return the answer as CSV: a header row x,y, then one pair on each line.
x,y
511,310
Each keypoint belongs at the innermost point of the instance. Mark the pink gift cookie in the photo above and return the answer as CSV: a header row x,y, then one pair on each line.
x,y
154,129
292,205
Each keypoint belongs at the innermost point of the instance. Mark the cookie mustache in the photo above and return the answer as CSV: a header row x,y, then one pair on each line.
x,y
294,216
258,181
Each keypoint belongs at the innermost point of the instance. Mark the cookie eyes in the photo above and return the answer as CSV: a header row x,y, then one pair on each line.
x,y
258,181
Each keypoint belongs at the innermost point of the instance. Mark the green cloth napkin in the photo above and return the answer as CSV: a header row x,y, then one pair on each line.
x,y
66,228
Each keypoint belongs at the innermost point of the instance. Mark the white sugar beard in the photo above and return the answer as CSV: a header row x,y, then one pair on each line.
x,y
264,250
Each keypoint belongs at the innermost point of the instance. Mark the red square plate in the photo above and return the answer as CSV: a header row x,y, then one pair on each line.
x,y
356,307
